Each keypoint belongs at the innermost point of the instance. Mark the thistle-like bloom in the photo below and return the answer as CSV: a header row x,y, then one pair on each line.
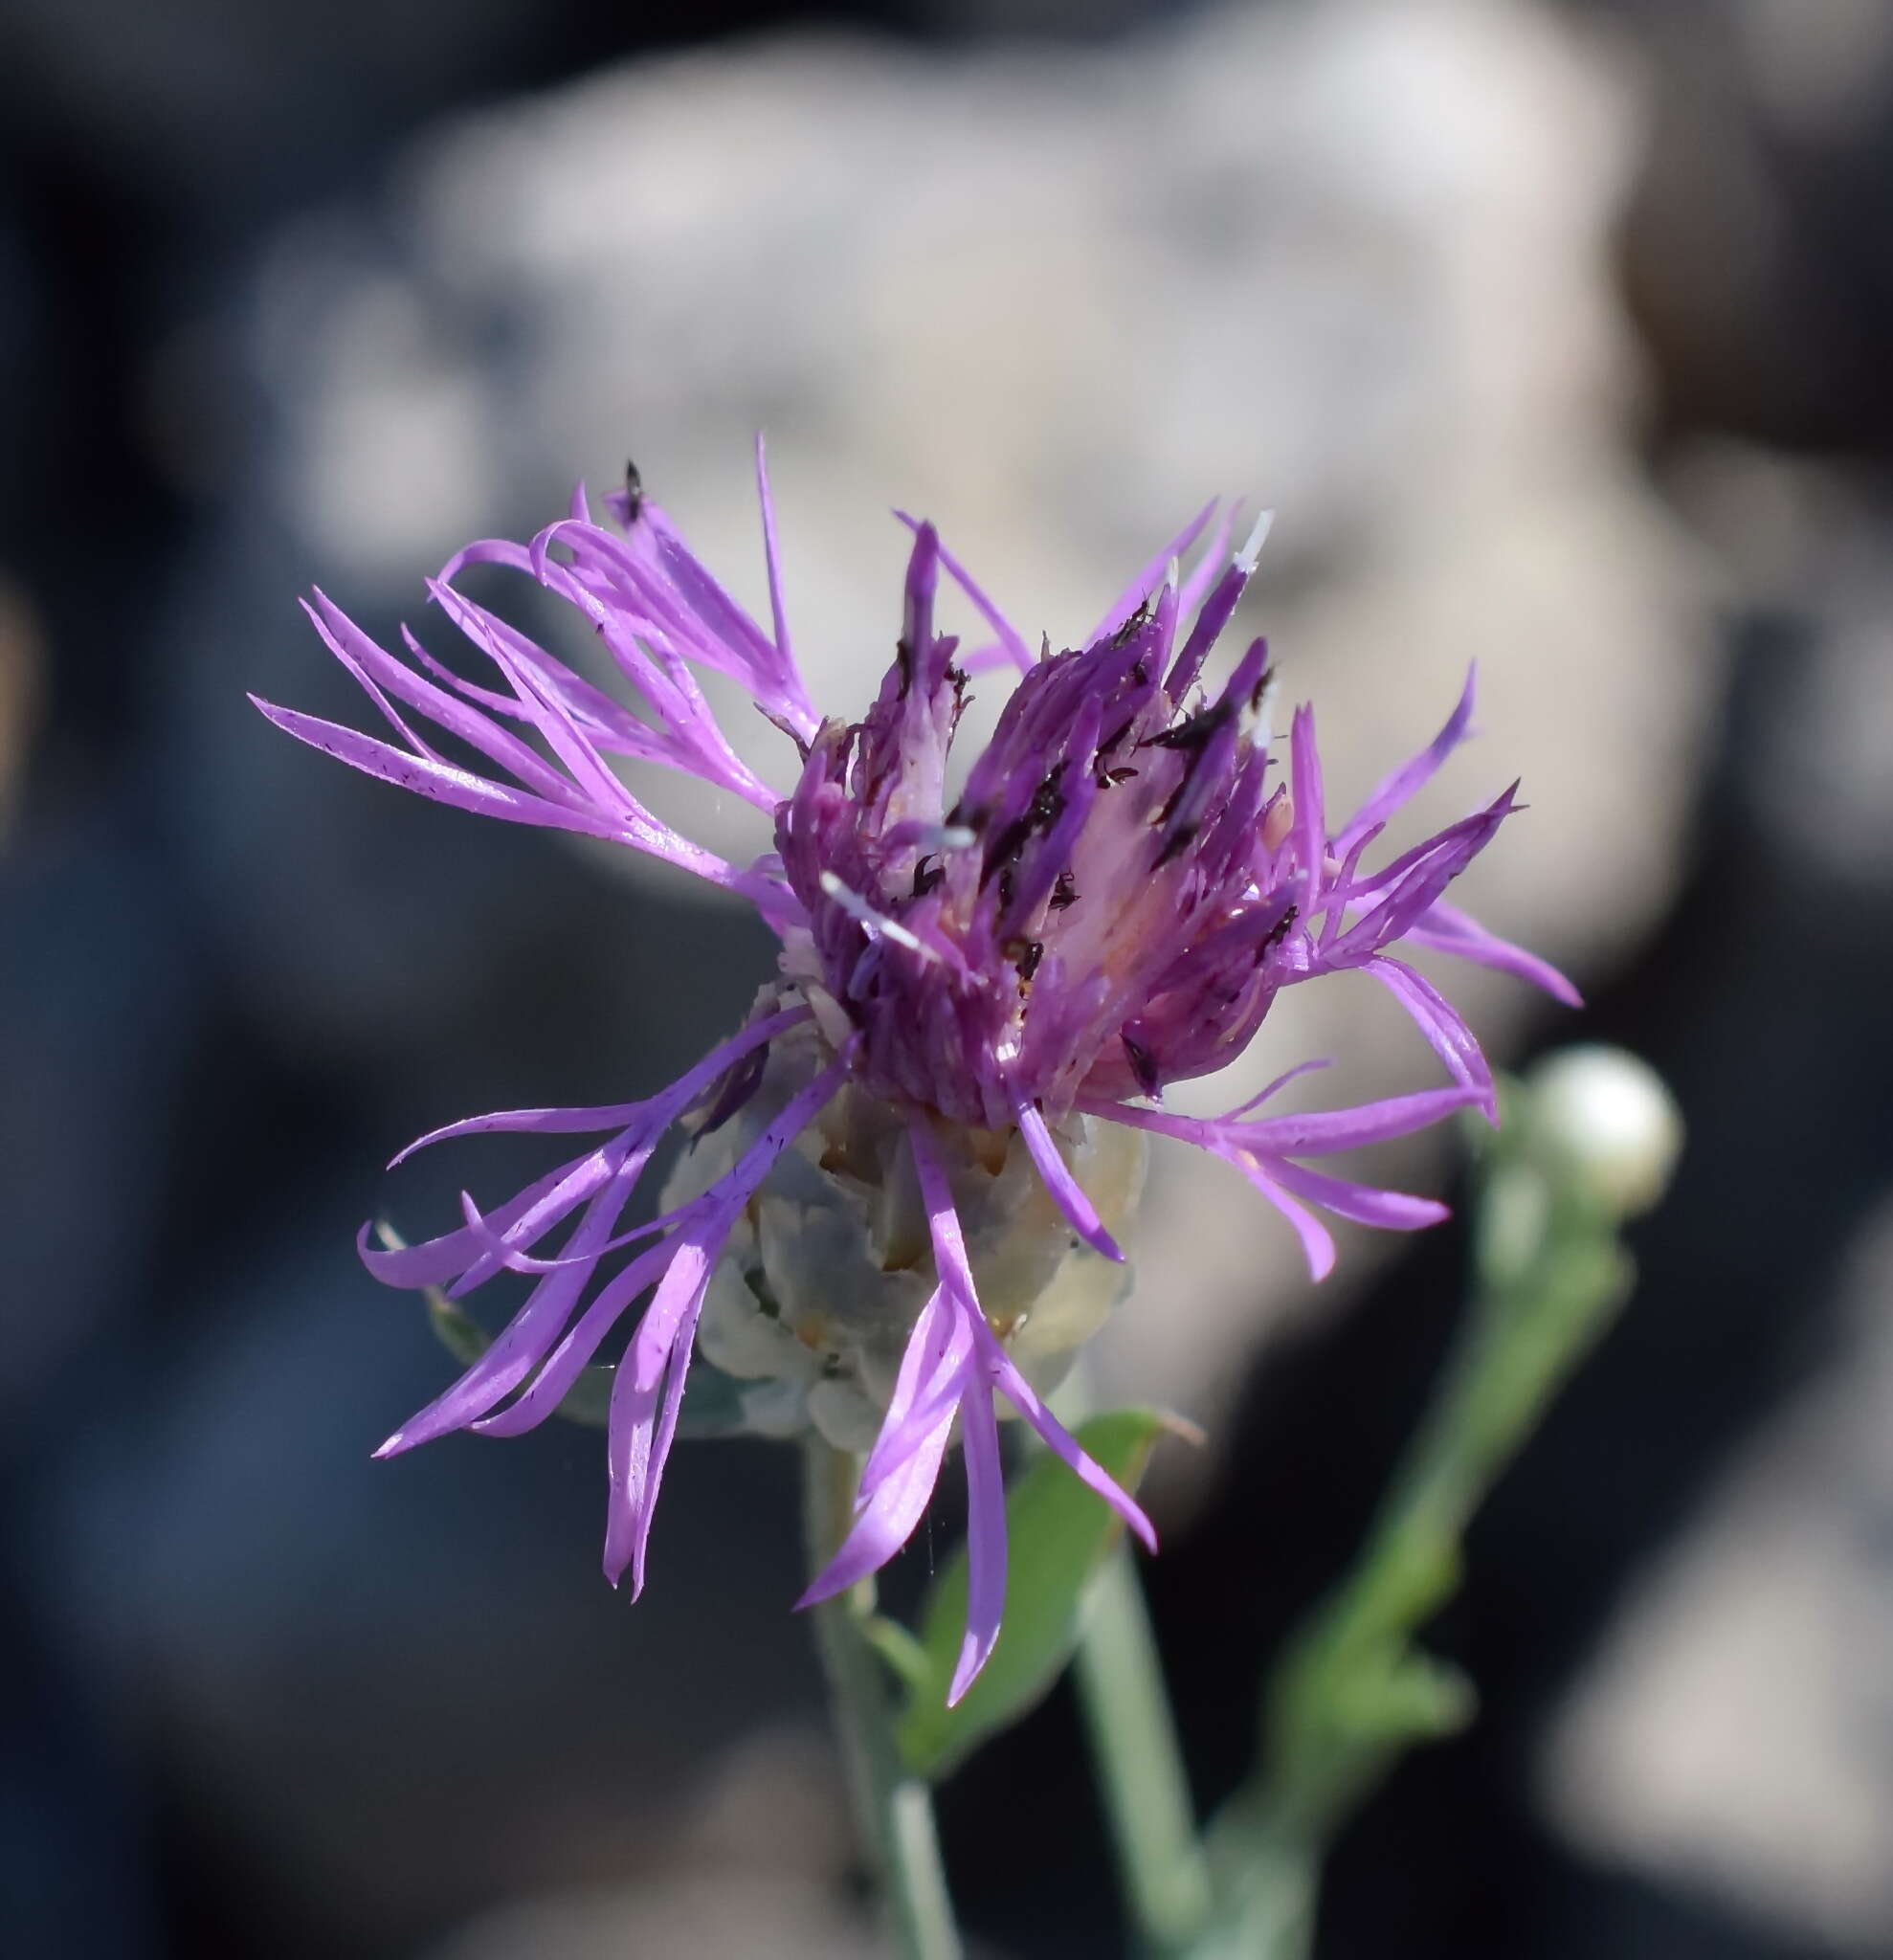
x,y
980,999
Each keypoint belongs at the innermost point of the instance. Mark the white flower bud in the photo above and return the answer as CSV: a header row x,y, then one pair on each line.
x,y
1605,1119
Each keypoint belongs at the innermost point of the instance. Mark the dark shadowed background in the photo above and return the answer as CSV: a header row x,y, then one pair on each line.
x,y
1558,335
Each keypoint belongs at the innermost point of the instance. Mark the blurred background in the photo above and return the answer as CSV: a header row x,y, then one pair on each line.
x,y
1558,336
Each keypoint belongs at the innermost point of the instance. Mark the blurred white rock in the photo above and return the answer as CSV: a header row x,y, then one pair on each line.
x,y
1732,1732
755,1864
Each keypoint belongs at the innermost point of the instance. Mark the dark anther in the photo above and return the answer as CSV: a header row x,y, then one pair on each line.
x,y
1132,626
1030,957
1180,840
1275,935
1005,888
1141,674
1143,1063
1117,735
1260,689
926,875
634,492
1191,733
732,1090
1063,892
1006,847
1116,776
961,819
904,654
1047,804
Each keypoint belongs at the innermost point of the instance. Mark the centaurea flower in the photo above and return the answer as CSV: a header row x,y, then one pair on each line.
x,y
978,1007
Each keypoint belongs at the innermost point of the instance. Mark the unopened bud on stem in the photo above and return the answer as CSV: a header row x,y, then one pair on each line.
x,y
1607,1122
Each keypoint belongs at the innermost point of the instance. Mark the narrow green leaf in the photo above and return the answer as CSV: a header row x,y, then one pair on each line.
x,y
1059,1534
456,1330
1426,1698
901,1654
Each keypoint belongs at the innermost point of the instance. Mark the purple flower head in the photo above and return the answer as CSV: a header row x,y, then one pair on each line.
x,y
978,991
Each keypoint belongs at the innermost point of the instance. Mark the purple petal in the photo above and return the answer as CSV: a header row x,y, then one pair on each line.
x,y
778,619
1282,1082
504,1248
986,1537
932,1367
439,781
435,1261
1441,1023
685,734
982,660
985,1497
949,1246
540,703
1196,581
1320,1133
1011,642
633,1456
886,1521
680,1095
364,674
1057,1438
1404,782
1342,891
470,1254
639,1439
1310,815
1317,1243
1325,1132
569,1360
1147,578
520,1347
529,1342
371,663
723,628
1365,1204
1209,623
1447,929
1067,1191
1407,903
599,1171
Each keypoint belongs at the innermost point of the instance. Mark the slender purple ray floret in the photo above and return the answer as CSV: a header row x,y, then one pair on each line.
x,y
1108,903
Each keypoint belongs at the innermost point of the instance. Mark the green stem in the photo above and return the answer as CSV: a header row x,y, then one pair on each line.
x,y
893,1809
1139,1766
1354,1689
1267,1877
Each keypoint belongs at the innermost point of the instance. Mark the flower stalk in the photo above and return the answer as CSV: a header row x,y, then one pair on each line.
x,y
893,1808
1353,1691
1139,1766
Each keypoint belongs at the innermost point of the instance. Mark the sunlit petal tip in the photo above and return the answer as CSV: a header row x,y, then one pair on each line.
x,y
1250,555
963,1677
